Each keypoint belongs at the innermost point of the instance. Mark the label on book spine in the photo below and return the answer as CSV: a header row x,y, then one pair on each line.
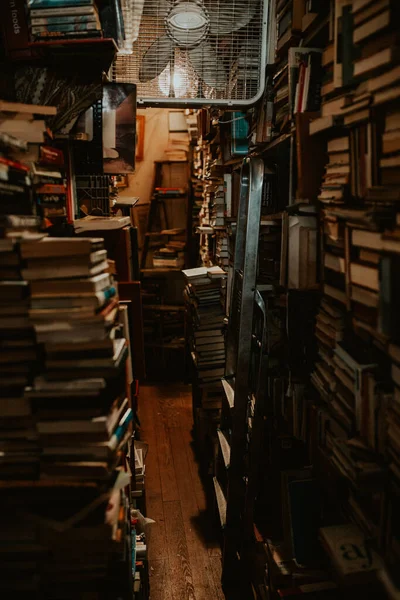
x,y
14,24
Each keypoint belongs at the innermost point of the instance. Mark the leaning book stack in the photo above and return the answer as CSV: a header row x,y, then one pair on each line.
x,y
63,19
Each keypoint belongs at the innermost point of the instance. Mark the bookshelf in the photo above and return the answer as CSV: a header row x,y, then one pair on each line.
x,y
72,467
322,391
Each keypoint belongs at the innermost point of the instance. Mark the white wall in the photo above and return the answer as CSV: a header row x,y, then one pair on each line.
x,y
155,143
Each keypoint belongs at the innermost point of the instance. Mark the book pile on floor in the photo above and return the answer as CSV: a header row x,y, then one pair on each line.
x,y
172,254
73,508
203,298
63,19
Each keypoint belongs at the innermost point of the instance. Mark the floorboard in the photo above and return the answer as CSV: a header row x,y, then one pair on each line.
x,y
185,559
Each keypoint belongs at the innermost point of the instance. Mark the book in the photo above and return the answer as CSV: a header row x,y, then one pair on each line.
x,y
38,269
40,30
70,287
347,547
58,20
55,11
57,247
34,4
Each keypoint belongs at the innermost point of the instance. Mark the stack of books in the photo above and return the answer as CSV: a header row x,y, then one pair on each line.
x,y
335,187
390,160
63,19
222,250
74,309
73,508
22,128
305,77
217,205
203,297
168,257
19,355
49,183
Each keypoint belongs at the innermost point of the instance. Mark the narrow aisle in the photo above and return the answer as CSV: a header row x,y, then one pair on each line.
x,y
184,553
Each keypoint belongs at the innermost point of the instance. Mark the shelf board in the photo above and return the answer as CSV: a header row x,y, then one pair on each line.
x,y
266,219
234,161
167,345
99,52
316,30
271,145
265,287
161,270
221,502
229,391
225,448
164,232
164,307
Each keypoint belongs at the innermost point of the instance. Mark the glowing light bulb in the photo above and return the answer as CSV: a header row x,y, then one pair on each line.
x,y
180,83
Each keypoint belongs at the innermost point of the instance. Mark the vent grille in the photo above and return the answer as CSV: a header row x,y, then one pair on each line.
x,y
191,51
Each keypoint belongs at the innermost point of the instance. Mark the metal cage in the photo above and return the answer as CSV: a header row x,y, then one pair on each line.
x,y
195,52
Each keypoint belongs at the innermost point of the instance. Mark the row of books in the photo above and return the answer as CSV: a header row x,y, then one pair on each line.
x,y
356,372
68,20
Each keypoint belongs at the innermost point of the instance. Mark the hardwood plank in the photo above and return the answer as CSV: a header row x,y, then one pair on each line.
x,y
216,570
193,520
169,488
171,408
205,500
158,548
160,580
184,563
186,424
180,572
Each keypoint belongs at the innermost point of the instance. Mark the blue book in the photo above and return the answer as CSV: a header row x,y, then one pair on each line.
x,y
240,131
62,20
58,3
121,429
64,27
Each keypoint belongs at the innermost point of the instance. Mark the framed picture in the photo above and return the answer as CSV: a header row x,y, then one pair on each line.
x,y
119,128
140,121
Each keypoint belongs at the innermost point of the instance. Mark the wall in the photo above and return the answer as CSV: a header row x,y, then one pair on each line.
x,y
155,143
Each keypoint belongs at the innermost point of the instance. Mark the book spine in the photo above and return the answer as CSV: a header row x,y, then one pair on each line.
x,y
121,429
62,20
63,28
302,76
68,35
314,95
63,11
58,3
14,25
106,295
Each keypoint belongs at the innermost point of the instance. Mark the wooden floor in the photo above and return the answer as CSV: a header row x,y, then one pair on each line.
x,y
185,557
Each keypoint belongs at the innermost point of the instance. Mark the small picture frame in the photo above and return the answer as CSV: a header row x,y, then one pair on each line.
x,y
140,122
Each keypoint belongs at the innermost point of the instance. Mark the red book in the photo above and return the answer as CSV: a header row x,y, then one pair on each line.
x,y
14,164
302,76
